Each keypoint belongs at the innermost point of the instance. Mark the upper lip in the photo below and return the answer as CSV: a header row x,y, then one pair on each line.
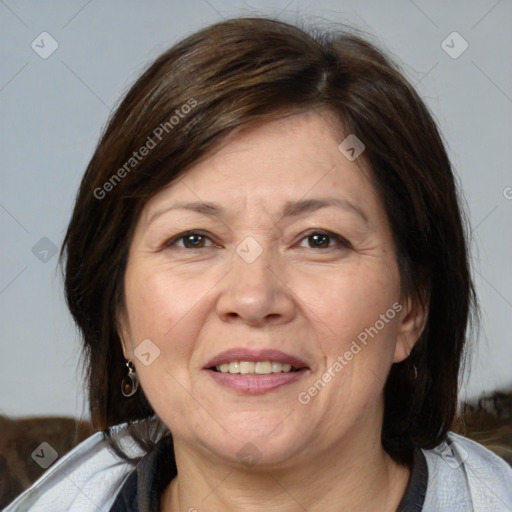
x,y
244,354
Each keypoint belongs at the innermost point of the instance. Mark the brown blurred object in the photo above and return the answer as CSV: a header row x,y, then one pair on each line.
x,y
18,440
488,421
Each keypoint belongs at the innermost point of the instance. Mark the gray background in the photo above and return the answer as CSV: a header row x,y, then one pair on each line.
x,y
52,111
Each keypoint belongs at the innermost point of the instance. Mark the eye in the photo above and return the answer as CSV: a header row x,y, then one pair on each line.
x,y
323,240
190,240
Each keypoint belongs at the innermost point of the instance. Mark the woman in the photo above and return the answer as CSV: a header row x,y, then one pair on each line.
x,y
267,260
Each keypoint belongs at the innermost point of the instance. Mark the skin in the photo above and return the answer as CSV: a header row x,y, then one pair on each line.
x,y
306,300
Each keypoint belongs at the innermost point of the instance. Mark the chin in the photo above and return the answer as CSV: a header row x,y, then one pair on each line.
x,y
262,426
258,445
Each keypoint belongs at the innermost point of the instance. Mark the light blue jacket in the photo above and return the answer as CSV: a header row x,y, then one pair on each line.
x,y
463,477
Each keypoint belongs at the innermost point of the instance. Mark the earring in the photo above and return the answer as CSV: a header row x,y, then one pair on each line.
x,y
130,382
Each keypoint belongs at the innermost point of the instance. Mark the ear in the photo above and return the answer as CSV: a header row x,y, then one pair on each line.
x,y
412,323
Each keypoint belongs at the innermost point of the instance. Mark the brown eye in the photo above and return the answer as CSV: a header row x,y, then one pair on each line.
x,y
189,240
324,240
193,241
319,241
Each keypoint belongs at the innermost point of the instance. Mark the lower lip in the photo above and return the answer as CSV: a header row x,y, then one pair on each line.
x,y
256,384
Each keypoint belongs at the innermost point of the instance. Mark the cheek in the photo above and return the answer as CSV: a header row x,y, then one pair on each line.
x,y
344,296
169,313
355,309
158,301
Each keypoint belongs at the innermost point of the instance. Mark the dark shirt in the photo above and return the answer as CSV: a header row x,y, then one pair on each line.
x,y
143,488
416,490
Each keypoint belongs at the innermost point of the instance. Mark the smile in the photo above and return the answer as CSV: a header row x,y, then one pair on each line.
x,y
254,372
254,367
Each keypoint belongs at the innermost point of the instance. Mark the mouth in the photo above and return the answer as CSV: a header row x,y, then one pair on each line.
x,y
255,372
254,368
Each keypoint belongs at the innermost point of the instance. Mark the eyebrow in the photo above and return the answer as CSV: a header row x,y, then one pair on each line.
x,y
209,209
290,209
296,208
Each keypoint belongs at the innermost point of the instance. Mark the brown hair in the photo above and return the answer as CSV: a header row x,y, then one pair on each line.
x,y
254,69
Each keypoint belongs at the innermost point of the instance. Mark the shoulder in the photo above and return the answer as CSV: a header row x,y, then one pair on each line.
x,y
86,478
463,475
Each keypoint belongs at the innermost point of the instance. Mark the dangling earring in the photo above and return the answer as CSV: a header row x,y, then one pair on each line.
x,y
130,382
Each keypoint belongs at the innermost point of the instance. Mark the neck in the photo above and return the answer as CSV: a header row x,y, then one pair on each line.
x,y
359,476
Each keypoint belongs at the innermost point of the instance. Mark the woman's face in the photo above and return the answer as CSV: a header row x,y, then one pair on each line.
x,y
274,252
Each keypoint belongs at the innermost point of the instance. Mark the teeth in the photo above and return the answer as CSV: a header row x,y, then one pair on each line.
x,y
246,367
263,368
254,368
234,367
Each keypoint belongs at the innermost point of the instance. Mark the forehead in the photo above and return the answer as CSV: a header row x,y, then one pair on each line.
x,y
290,158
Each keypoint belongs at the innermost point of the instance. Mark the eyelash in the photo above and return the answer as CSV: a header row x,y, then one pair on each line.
x,y
184,235
333,236
338,239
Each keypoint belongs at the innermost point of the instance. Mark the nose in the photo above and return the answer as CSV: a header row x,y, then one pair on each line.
x,y
255,294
